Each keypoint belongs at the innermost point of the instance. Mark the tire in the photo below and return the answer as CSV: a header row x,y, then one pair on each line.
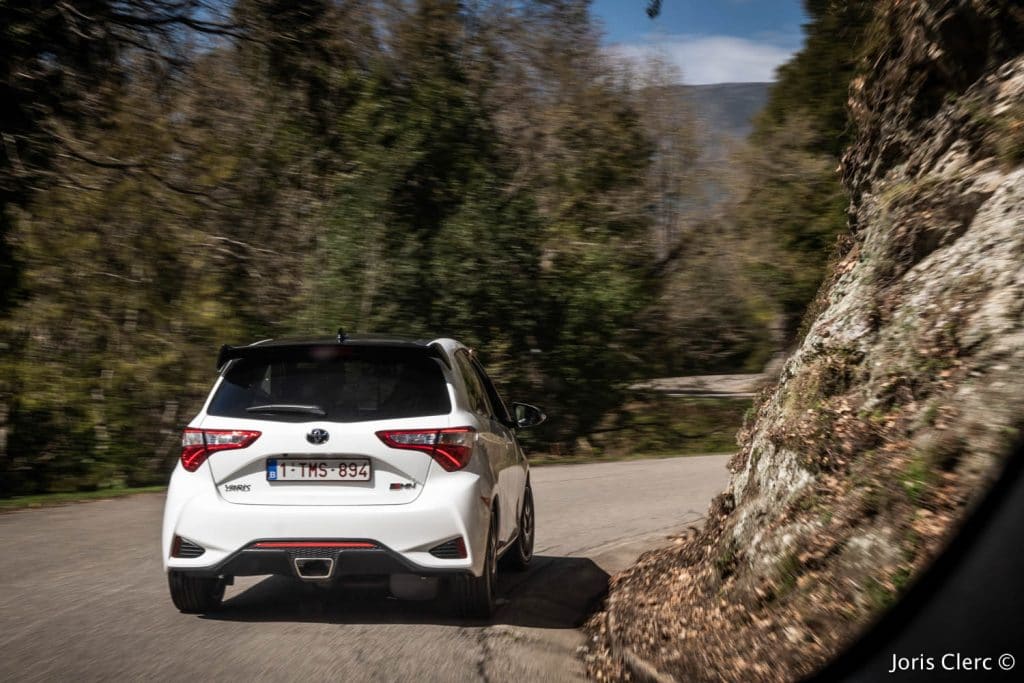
x,y
519,555
474,595
195,594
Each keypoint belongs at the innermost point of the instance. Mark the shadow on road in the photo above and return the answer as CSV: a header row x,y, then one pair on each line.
x,y
556,592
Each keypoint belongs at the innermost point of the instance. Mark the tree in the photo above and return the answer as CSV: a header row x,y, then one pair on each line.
x,y
316,164
795,207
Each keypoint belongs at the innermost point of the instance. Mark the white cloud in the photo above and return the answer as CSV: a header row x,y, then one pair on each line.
x,y
713,59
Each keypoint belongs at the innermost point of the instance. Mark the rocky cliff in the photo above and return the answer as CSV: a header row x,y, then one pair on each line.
x,y
905,396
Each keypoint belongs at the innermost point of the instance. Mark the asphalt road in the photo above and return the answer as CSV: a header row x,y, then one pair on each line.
x,y
83,596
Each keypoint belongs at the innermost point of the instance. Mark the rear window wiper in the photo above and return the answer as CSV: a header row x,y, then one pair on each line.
x,y
286,408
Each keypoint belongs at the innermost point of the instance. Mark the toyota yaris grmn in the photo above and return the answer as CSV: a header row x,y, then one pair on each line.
x,y
346,458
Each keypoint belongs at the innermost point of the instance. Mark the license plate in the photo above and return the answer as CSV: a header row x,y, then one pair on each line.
x,y
318,469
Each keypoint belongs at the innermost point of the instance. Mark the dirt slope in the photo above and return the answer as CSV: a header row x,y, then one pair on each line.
x,y
904,398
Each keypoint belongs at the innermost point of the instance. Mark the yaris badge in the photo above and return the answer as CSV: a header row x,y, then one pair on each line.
x,y
318,436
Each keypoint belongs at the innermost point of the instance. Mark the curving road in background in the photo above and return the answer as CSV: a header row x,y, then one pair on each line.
x,y
83,595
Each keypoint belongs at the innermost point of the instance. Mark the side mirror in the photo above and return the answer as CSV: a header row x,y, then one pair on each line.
x,y
526,416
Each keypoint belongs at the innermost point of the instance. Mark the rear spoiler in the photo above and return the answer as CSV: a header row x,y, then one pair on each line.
x,y
229,353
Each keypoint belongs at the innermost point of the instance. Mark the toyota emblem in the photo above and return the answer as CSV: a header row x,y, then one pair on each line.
x,y
318,436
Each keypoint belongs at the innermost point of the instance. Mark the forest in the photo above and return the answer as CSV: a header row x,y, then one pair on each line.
x,y
180,174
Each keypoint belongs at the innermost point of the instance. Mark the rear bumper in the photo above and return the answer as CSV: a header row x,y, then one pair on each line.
x,y
379,561
451,507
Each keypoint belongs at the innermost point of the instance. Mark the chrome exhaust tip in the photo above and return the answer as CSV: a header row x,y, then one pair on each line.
x,y
314,568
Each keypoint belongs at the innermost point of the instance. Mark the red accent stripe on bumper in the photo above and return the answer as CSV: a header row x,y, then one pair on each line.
x,y
314,544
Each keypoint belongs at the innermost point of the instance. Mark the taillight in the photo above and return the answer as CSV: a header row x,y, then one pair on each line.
x,y
198,444
451,448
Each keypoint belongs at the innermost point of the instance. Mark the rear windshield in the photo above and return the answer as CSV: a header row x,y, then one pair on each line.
x,y
333,383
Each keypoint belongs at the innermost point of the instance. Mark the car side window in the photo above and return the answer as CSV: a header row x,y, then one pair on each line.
x,y
474,388
498,405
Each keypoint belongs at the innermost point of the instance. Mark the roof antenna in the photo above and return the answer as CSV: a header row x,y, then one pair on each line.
x,y
341,335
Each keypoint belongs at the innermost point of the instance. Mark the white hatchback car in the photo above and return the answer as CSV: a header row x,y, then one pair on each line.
x,y
348,458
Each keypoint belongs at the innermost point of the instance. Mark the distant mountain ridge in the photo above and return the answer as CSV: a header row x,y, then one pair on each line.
x,y
724,114
726,109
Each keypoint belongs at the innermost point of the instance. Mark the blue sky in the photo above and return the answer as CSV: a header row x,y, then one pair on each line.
x,y
711,41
